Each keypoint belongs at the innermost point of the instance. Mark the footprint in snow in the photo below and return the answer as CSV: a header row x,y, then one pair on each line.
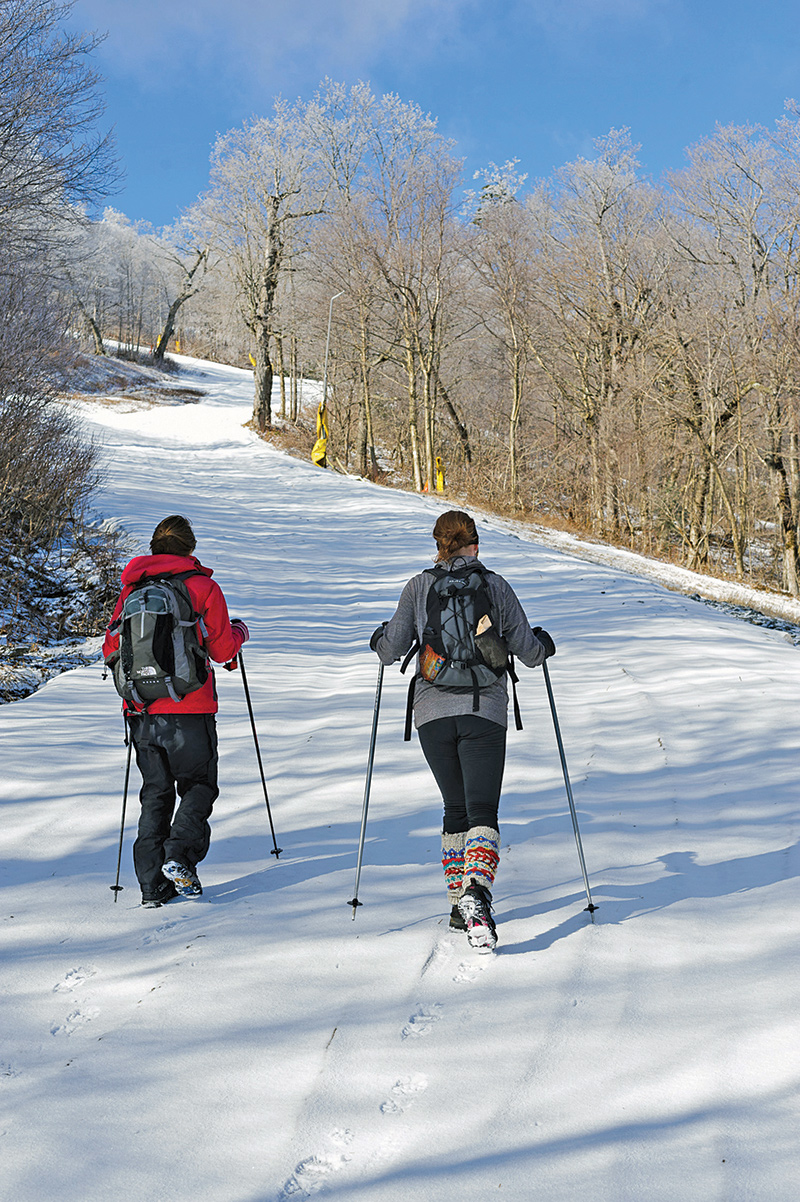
x,y
74,978
312,1173
159,933
421,1022
403,1093
467,971
77,1018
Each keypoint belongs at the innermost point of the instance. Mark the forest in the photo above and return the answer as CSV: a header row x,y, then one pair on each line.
x,y
593,350
596,350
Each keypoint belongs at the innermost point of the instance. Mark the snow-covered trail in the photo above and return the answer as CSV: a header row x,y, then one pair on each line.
x,y
259,1044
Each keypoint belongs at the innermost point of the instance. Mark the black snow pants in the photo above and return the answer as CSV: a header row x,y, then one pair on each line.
x,y
466,755
175,752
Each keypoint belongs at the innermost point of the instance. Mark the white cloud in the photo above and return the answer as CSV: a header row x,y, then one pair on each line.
x,y
333,36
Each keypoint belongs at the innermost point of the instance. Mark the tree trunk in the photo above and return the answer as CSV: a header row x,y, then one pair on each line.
x,y
428,406
461,428
697,555
188,290
785,504
788,526
596,492
94,330
293,391
262,319
412,417
168,330
611,485
367,462
99,348
513,425
281,374
262,404
91,322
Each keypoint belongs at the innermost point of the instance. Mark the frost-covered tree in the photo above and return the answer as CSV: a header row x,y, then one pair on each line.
x,y
267,183
52,156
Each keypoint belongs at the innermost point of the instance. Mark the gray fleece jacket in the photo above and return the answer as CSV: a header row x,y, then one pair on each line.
x,y
407,623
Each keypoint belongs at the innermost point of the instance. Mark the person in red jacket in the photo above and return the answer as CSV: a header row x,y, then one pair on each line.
x,y
176,741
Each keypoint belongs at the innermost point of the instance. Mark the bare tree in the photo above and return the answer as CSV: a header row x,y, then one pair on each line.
x,y
597,295
742,207
51,154
407,222
266,180
52,159
181,268
501,259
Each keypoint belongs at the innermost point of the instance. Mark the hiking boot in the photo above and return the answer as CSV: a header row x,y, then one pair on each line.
x,y
165,894
475,906
183,878
457,923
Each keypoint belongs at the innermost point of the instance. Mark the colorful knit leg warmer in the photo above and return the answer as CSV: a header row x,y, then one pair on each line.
x,y
481,856
453,865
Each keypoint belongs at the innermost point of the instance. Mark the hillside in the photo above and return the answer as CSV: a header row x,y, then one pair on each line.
x,y
259,1044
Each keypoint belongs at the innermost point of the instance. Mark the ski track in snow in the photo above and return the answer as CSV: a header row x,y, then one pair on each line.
x,y
290,1051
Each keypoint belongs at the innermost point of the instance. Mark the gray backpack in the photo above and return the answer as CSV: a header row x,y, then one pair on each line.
x,y
160,649
460,649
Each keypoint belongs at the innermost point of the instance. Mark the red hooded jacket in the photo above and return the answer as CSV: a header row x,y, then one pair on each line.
x,y
222,642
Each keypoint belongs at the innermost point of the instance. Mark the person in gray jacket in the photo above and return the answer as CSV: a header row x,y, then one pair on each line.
x,y
464,749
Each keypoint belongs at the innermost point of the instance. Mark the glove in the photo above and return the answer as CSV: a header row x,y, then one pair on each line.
x,y
376,634
238,624
546,641
232,666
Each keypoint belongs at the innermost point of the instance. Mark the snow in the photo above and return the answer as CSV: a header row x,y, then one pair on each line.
x,y
260,1044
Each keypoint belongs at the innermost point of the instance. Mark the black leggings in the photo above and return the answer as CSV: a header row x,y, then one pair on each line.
x,y
176,753
466,755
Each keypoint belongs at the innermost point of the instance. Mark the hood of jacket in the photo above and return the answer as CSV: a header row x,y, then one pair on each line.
x,y
161,565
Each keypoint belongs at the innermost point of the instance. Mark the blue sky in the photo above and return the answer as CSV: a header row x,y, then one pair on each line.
x,y
530,79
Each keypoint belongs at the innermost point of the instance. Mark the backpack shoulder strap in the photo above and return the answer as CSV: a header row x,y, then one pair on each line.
x,y
416,646
194,615
514,678
412,685
183,577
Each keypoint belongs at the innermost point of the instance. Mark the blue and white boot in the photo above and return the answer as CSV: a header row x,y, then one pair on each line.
x,y
184,879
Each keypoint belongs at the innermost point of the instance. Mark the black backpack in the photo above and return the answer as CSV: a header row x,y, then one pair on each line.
x,y
460,649
160,649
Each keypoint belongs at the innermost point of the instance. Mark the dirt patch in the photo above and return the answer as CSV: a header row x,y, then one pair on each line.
x,y
149,397
296,440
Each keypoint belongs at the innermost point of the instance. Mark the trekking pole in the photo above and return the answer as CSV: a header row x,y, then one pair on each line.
x,y
276,851
354,902
116,887
591,906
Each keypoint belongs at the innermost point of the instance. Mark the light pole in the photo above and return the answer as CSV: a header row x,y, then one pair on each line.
x,y
327,348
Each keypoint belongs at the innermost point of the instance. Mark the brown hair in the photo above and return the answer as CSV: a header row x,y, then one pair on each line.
x,y
173,536
453,531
